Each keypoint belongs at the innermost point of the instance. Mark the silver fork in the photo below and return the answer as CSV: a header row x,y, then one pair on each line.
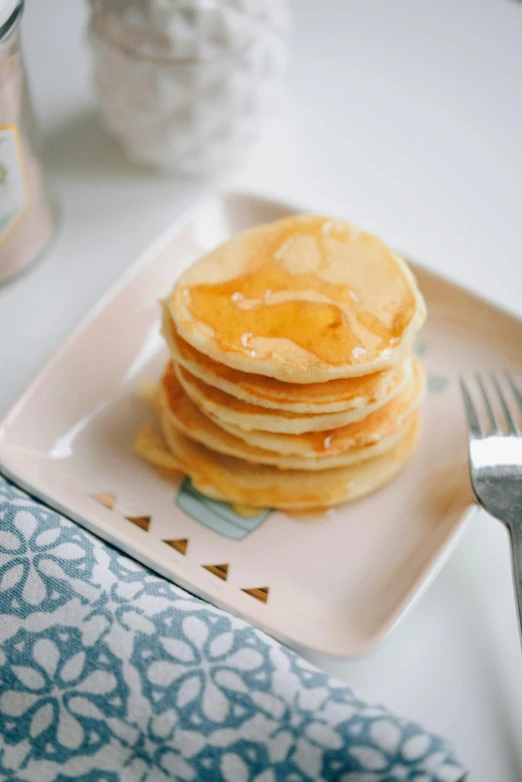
x,y
495,455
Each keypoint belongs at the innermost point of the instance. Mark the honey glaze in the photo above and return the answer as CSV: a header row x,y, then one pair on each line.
x,y
383,422
286,393
380,423
334,292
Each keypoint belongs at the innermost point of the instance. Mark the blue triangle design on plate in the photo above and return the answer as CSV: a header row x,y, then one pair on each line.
x,y
216,515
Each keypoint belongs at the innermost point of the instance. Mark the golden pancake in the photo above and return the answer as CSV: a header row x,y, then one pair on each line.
x,y
151,447
292,384
229,410
188,419
383,422
306,299
330,397
234,480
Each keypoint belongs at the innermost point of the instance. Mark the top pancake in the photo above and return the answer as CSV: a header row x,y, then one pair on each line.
x,y
305,300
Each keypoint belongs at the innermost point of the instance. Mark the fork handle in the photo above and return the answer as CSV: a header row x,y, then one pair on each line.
x,y
515,531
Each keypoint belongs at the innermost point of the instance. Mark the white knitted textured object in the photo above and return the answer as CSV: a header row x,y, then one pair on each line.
x,y
186,84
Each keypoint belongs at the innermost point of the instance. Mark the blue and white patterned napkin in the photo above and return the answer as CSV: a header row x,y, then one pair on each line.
x,y
111,674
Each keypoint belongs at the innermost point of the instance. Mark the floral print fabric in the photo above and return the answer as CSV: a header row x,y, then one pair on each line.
x,y
111,674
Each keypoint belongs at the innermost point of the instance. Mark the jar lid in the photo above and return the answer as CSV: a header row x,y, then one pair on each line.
x,y
9,12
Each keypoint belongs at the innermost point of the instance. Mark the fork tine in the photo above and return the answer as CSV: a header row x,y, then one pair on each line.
x,y
495,428
511,425
517,393
474,427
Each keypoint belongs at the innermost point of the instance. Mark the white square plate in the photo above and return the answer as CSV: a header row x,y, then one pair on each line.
x,y
335,583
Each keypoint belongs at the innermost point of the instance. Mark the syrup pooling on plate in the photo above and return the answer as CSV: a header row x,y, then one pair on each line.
x,y
318,283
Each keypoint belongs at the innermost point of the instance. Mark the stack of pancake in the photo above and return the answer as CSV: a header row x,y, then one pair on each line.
x,y
291,382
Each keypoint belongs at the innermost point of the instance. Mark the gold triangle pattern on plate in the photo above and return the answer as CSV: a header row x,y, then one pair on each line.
x,y
221,571
179,545
107,499
260,593
142,522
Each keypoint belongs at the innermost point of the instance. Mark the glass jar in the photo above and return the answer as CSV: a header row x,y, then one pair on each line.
x,y
26,216
188,86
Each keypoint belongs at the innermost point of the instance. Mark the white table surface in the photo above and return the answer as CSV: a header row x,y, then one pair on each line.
x,y
406,117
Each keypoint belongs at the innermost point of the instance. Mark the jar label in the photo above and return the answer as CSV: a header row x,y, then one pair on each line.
x,y
14,194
